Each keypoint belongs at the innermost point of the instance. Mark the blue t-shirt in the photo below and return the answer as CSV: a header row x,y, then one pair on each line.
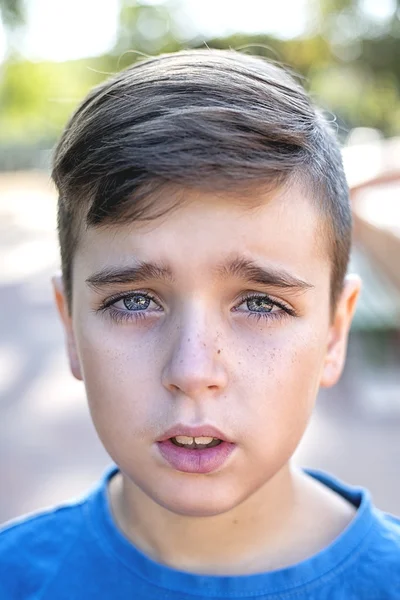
x,y
76,552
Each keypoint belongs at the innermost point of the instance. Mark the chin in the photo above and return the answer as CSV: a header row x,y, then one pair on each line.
x,y
196,508
194,499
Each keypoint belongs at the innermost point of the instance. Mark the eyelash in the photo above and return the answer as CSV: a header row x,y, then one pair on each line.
x,y
119,316
285,311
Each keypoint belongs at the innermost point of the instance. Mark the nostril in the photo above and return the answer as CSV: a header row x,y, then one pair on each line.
x,y
174,388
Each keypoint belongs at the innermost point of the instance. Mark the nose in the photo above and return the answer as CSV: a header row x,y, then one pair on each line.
x,y
195,366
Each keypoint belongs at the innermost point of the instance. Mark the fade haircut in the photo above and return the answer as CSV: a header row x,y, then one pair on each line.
x,y
205,119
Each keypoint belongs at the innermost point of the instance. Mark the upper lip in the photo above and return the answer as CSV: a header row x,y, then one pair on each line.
x,y
190,431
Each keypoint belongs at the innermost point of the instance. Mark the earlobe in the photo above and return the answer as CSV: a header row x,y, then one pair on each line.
x,y
339,331
63,311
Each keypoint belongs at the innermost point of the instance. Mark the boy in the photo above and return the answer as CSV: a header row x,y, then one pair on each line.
x,y
205,230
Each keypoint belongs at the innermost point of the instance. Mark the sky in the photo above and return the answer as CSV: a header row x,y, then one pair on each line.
x,y
62,30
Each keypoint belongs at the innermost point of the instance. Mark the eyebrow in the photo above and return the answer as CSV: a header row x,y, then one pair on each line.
x,y
239,267
142,271
250,271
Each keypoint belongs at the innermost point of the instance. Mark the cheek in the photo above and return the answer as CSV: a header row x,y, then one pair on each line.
x,y
119,375
300,366
280,379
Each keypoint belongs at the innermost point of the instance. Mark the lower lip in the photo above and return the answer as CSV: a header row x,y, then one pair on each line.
x,y
195,461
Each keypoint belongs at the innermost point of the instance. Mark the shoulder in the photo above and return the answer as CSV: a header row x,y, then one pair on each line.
x,y
29,529
377,560
366,555
387,535
33,547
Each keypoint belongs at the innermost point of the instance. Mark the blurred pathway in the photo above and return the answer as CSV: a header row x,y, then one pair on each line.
x,y
49,450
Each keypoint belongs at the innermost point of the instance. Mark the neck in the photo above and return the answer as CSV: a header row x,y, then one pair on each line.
x,y
272,529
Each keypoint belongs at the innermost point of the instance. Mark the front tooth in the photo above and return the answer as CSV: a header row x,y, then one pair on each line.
x,y
203,440
184,439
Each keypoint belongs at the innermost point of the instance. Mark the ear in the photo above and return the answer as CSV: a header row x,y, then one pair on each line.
x,y
63,311
339,331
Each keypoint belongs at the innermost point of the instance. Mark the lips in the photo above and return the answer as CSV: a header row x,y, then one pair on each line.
x,y
197,460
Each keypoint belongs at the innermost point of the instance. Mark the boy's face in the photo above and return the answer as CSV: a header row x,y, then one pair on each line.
x,y
206,335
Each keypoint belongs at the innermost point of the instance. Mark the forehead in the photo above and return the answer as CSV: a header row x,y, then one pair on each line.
x,y
282,227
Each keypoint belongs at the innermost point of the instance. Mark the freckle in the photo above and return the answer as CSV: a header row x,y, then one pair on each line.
x,y
235,521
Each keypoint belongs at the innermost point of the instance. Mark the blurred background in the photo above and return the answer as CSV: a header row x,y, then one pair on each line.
x,y
51,53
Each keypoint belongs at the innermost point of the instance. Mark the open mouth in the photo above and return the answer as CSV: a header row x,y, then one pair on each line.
x,y
205,451
195,443
202,449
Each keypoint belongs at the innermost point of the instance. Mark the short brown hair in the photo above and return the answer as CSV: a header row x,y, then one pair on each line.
x,y
206,119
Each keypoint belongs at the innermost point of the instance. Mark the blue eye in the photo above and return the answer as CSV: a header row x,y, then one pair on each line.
x,y
136,302
260,304
131,306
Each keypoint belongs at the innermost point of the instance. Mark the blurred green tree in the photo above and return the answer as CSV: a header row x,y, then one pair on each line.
x,y
12,18
145,29
11,12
